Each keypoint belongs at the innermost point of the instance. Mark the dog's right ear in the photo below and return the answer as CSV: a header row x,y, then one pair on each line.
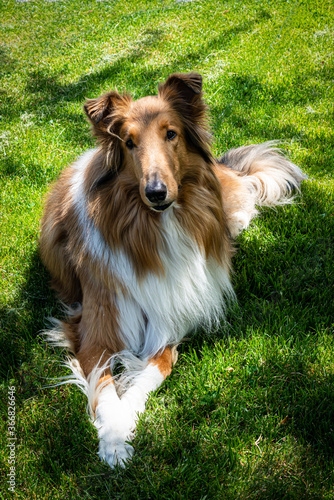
x,y
186,85
103,111
106,114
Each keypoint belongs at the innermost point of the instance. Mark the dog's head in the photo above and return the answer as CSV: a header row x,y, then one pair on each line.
x,y
154,137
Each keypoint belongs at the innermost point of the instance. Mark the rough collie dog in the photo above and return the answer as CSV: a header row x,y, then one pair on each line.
x,y
137,235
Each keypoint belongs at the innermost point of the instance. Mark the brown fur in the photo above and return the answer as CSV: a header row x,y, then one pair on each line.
x,y
165,361
56,228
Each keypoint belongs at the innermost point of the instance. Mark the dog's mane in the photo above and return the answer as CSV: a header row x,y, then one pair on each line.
x,y
115,205
125,222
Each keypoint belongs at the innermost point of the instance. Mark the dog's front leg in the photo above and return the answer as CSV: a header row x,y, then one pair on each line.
x,y
148,380
112,419
116,418
115,425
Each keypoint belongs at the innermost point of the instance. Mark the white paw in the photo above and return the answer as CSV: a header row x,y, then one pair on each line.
x,y
115,424
238,222
115,452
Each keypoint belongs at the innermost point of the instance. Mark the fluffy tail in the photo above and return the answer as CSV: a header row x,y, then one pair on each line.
x,y
271,177
257,175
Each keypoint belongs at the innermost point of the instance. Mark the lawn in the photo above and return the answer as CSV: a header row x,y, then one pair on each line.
x,y
248,412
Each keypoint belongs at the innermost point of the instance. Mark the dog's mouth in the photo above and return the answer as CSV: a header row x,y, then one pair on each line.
x,y
161,208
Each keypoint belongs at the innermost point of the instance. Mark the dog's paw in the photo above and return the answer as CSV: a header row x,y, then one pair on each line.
x,y
115,452
238,221
115,423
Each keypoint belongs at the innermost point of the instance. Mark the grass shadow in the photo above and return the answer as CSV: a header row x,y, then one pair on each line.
x,y
23,319
7,62
250,98
46,91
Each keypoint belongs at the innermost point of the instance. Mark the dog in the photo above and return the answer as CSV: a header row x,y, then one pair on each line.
x,y
138,237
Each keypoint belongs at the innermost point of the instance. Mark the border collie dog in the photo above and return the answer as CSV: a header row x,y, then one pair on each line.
x,y
137,235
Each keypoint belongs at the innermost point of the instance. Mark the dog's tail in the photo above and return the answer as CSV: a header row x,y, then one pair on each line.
x,y
269,175
256,175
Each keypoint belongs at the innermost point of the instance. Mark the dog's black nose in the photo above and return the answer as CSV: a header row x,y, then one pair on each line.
x,y
156,191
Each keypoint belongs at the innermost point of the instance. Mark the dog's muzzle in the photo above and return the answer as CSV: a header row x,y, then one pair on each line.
x,y
156,193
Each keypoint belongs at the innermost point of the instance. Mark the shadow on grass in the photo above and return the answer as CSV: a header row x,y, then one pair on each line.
x,y
22,320
248,97
287,298
51,423
292,265
47,93
7,62
47,88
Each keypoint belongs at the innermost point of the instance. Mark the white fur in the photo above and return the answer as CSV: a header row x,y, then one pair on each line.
x,y
191,292
114,423
92,238
240,221
116,418
146,381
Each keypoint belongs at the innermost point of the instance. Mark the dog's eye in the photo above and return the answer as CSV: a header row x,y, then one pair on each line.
x,y
171,134
130,144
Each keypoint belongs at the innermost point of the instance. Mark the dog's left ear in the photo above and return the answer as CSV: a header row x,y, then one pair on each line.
x,y
183,91
186,85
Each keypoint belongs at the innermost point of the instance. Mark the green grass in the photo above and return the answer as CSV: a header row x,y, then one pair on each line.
x,y
248,412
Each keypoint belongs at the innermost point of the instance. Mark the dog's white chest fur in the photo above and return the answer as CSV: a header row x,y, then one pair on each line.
x,y
162,309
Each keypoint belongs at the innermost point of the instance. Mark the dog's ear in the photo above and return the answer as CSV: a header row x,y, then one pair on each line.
x,y
184,93
101,111
96,109
106,114
187,85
